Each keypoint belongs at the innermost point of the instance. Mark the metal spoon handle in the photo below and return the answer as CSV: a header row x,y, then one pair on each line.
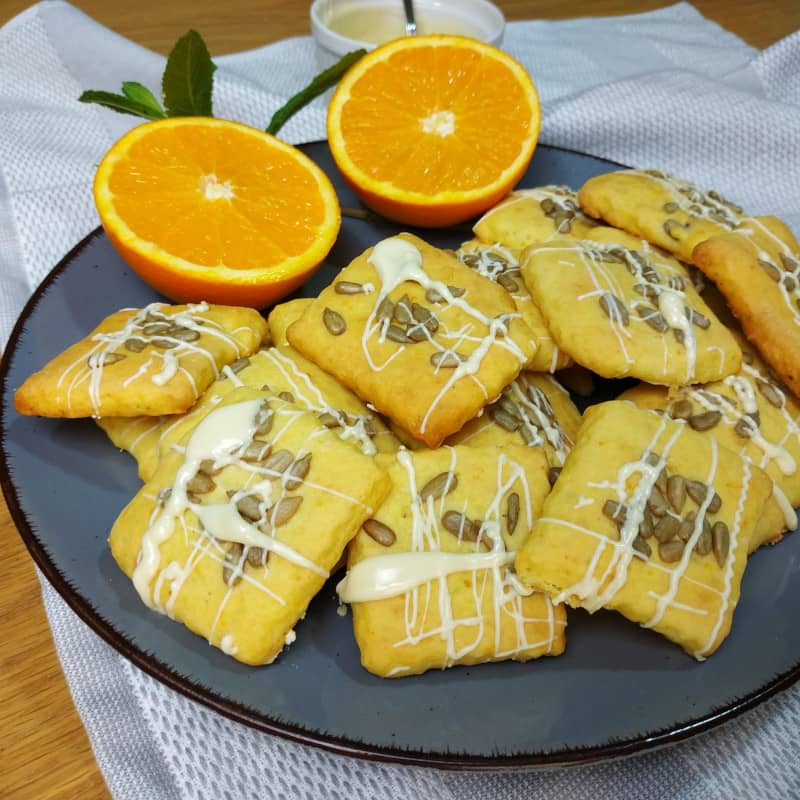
x,y
411,23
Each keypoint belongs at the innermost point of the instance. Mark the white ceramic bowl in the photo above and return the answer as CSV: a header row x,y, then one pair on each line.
x,y
341,26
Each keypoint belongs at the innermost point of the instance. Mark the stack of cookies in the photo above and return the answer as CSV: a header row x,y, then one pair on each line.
x,y
412,421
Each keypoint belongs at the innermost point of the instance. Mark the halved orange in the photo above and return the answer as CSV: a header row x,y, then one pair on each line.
x,y
207,209
432,130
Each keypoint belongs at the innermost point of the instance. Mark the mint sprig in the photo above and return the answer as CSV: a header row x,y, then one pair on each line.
x,y
188,78
188,82
319,84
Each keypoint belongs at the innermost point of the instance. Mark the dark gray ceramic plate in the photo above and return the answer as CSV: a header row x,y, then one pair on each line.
x,y
618,689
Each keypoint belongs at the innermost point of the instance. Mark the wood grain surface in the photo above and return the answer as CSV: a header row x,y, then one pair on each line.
x,y
44,751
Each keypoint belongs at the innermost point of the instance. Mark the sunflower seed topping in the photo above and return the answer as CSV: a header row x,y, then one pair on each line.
x,y
334,322
512,512
461,525
614,308
297,472
705,421
381,533
720,542
442,484
348,287
671,551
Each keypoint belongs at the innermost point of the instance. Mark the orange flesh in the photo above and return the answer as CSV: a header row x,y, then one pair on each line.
x,y
274,213
382,119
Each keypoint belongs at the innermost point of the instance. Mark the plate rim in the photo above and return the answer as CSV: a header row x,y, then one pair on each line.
x,y
339,745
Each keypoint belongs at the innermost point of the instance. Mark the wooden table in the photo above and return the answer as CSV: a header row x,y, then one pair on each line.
x,y
45,752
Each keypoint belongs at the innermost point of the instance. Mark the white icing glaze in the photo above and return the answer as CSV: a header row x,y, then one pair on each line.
x,y
789,512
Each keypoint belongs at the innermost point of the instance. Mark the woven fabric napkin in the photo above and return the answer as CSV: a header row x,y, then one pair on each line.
x,y
668,90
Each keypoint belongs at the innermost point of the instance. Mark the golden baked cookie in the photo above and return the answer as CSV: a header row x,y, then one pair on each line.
x,y
528,216
236,533
622,312
651,519
423,338
428,574
151,361
749,413
533,410
667,211
283,315
501,265
757,269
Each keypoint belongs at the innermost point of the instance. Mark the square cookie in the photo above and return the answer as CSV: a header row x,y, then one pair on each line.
x,y
622,312
533,410
651,519
667,211
235,535
501,265
529,216
428,574
757,269
417,334
150,361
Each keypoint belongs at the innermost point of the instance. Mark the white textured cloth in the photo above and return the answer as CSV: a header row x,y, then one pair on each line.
x,y
667,90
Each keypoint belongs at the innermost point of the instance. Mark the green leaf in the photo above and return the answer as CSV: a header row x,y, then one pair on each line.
x,y
122,104
142,95
188,78
319,84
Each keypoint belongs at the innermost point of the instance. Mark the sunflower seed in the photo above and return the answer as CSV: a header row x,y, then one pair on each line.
x,y
669,227
442,484
698,491
686,528
614,308
446,359
461,525
249,507
508,283
385,309
679,335
237,366
402,311
671,551
512,512
163,343
696,318
715,504
329,420
615,511
656,502
508,422
396,334
297,472
646,525
417,333
646,290
789,282
671,208
255,451
456,291
681,409
279,461
770,269
257,556
284,510
641,546
155,328
334,322
744,427
200,484
651,458
705,421
703,544
721,542
184,334
771,394
104,359
552,475
135,345
208,467
233,555
264,420
666,528
676,492
381,533
348,287
164,495
789,263
432,296
653,317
